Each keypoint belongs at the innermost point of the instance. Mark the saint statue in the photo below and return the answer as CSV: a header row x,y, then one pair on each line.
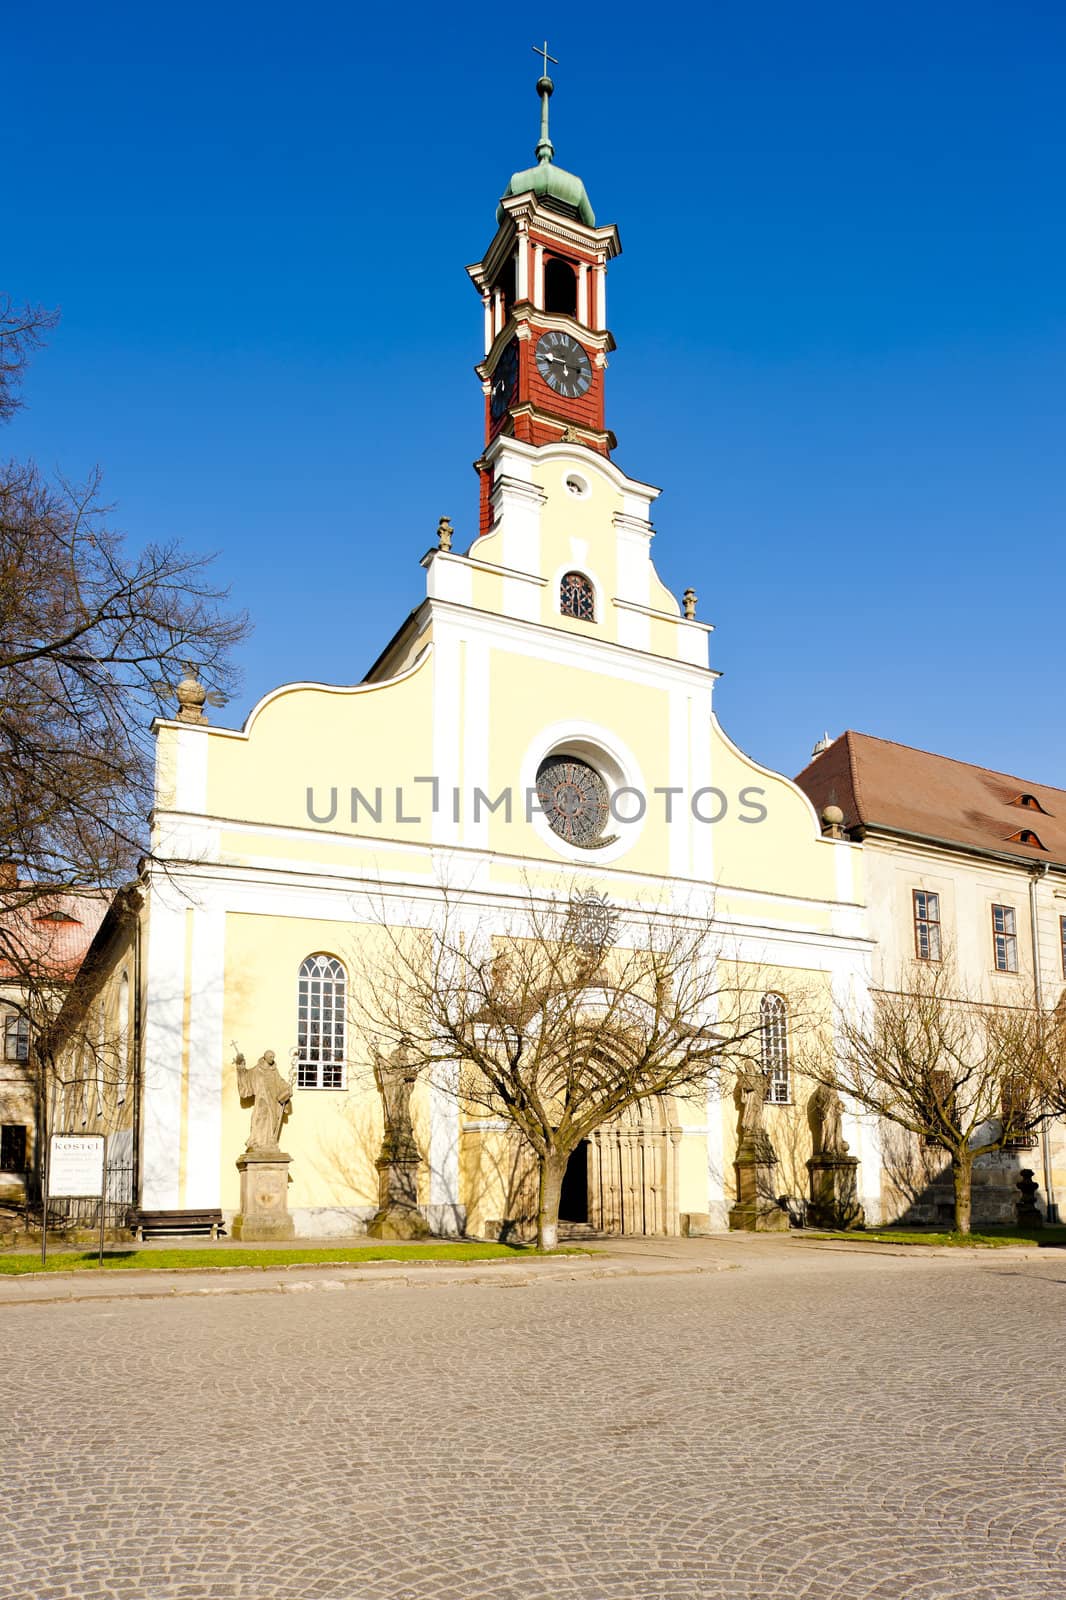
x,y
826,1113
396,1075
272,1095
751,1133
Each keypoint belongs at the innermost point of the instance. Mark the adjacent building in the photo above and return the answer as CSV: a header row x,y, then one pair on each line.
x,y
963,865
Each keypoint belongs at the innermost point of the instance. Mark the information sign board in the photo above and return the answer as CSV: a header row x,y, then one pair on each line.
x,y
76,1166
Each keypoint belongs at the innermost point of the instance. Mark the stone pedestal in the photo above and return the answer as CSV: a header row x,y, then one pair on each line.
x,y
398,1216
756,1209
264,1212
1028,1213
834,1201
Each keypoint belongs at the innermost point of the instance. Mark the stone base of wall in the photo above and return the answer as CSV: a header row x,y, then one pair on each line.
x,y
350,1222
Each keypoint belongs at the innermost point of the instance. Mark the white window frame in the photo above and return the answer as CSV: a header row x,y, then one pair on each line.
x,y
320,1065
773,1049
926,906
1004,938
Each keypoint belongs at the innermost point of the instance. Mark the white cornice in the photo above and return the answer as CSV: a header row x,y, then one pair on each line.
x,y
493,567
546,643
589,460
293,688
663,616
527,210
517,326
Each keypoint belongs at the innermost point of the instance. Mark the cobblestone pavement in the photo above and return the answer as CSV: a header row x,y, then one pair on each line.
x,y
809,1426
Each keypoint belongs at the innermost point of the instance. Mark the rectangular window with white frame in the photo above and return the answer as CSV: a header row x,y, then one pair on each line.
x,y
927,943
1005,938
16,1037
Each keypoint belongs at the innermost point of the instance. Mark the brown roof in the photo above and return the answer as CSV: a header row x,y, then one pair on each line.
x,y
879,784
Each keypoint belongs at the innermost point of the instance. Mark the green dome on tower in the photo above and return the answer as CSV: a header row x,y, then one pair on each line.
x,y
559,190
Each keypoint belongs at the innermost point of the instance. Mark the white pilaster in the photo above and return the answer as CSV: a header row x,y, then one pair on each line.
x,y
583,293
444,1149
163,1048
601,296
538,276
522,273
490,334
203,1140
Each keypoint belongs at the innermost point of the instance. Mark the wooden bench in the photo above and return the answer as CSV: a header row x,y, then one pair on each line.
x,y
149,1224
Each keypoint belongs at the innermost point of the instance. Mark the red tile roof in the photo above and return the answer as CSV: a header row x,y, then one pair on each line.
x,y
49,938
879,784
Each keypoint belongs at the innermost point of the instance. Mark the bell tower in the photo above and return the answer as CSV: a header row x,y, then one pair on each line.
x,y
543,288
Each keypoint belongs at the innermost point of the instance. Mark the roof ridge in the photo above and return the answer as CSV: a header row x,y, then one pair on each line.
x,y
957,761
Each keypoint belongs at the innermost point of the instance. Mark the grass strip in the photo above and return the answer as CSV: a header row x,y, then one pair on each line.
x,y
968,1241
177,1260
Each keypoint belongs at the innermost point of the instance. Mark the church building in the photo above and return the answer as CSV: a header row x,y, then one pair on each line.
x,y
541,722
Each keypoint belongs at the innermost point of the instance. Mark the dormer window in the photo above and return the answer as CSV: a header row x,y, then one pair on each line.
x,y
1027,836
1028,802
577,598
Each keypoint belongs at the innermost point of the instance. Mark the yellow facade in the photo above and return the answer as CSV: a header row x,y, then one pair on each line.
x,y
296,835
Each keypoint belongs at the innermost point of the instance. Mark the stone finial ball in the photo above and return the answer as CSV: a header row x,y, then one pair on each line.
x,y
833,816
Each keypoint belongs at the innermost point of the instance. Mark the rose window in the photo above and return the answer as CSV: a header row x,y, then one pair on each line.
x,y
574,800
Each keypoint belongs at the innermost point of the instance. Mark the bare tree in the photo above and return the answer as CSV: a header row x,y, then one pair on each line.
x,y
565,1017
956,1072
91,638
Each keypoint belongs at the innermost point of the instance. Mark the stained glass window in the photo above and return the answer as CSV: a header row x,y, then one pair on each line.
x,y
321,1024
577,598
574,799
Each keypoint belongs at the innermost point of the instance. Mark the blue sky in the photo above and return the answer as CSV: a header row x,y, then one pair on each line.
x,y
839,313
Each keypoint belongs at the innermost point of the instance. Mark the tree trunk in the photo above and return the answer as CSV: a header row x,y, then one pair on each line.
x,y
552,1168
962,1173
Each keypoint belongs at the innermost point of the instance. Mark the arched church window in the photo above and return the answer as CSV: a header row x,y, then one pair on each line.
x,y
773,1048
321,1023
560,287
577,598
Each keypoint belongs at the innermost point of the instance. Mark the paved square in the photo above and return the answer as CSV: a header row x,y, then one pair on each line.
x,y
808,1426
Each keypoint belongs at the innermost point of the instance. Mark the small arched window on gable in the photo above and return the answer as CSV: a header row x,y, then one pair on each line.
x,y
773,1048
577,597
321,1031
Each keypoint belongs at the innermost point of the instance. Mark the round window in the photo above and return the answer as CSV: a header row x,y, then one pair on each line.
x,y
576,484
574,800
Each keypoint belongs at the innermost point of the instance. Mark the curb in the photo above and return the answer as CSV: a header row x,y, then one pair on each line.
x,y
437,1275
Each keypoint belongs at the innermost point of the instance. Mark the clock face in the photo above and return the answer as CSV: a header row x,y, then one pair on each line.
x,y
503,380
574,799
564,365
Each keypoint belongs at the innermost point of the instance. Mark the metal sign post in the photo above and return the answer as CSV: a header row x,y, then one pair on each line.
x,y
76,1170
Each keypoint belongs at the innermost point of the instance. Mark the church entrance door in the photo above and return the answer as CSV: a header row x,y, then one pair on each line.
x,y
633,1172
574,1201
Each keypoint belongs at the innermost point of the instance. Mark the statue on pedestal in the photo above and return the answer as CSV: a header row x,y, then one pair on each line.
x,y
263,1165
757,1207
397,1216
832,1170
826,1111
272,1095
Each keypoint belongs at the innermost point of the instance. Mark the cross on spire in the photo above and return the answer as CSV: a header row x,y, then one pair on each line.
x,y
545,148
542,50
